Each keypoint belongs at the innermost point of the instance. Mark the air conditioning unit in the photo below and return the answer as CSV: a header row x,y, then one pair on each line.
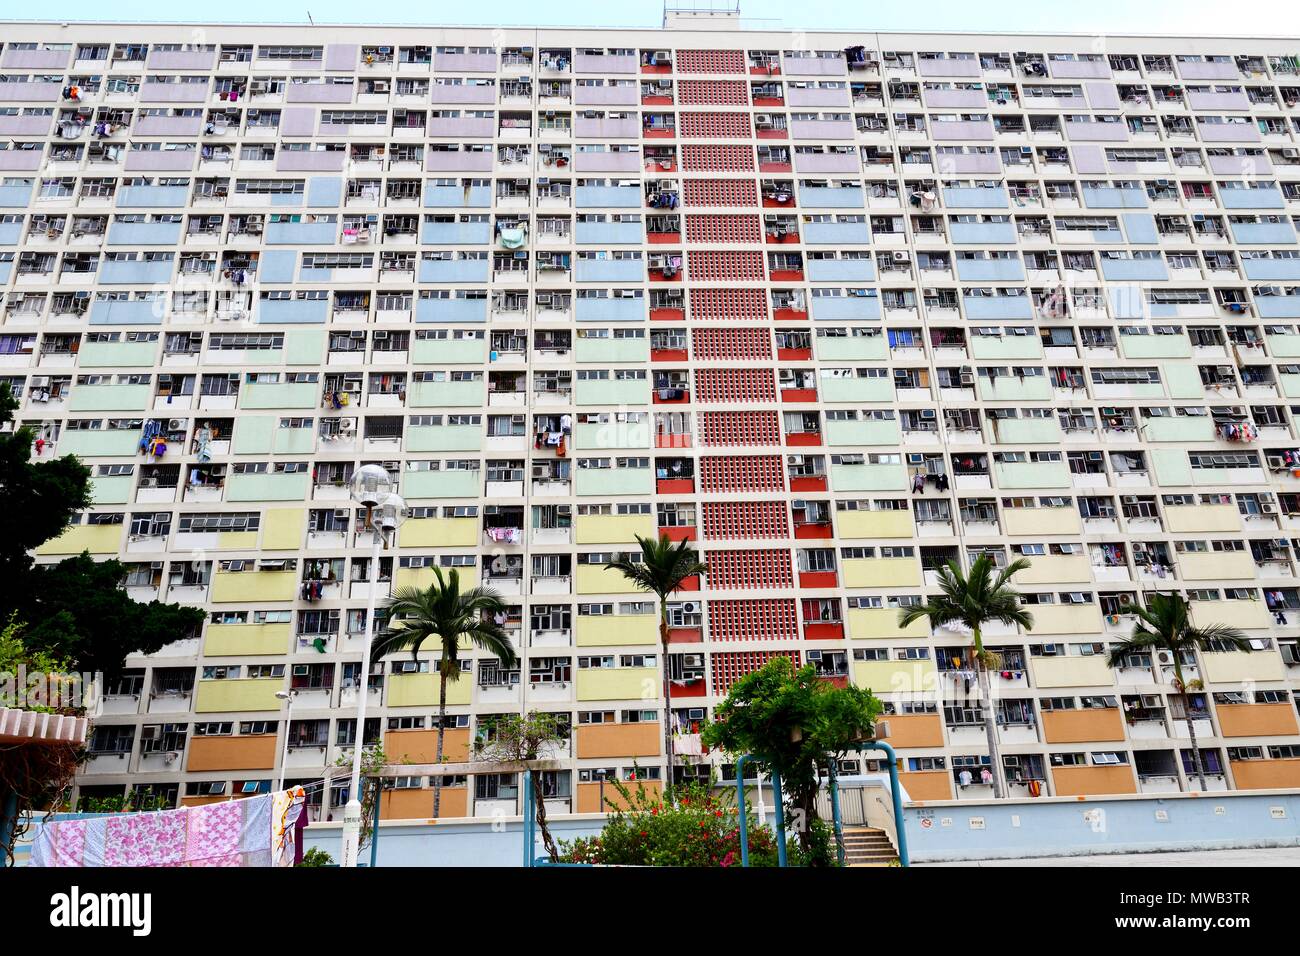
x,y
155,565
379,336
380,86
1164,657
900,256
1267,508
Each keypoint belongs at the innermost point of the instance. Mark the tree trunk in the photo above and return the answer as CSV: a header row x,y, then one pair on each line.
x,y
806,802
1191,723
990,721
539,802
668,703
442,730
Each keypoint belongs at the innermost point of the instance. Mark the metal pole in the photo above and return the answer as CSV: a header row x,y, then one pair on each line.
x,y
740,804
896,792
374,824
288,721
530,848
835,816
778,799
352,812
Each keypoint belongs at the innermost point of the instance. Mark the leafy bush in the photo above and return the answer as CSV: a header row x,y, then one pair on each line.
x,y
702,830
316,857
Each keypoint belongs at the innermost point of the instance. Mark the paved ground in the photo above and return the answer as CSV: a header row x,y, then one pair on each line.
x,y
1281,856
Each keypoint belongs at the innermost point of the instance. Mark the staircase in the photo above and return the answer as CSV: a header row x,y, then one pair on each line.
x,y
867,846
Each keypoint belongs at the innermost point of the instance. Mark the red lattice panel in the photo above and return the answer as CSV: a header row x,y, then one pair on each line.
x,y
712,93
740,428
720,192
749,570
716,158
710,61
711,343
743,304
739,386
710,265
773,619
716,125
742,473
744,519
729,668
724,228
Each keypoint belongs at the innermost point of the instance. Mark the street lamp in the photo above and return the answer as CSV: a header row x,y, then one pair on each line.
x,y
372,488
287,697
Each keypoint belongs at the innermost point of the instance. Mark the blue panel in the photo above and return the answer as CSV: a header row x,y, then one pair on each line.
x,y
1263,233
1278,306
10,233
292,311
6,270
1141,228
831,197
457,197
451,310
1126,302
301,233
611,233
609,270
1265,269
841,270
1111,197
610,310
1264,197
138,312
277,265
15,197
836,233
286,200
325,191
454,270
997,307
990,270
153,197
983,233
824,309
975,197
455,233
627,197
135,272
1134,270
144,233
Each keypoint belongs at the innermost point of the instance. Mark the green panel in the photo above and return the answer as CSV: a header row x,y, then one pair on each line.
x,y
1290,385
850,347
441,484
304,346
293,486
109,398
439,394
449,351
1279,346
613,481
118,355
595,436
612,350
1171,466
855,389
1032,474
1183,381
253,435
1006,347
99,444
1028,431
1012,388
111,490
868,478
863,433
1200,428
293,441
612,392
1155,346
444,438
279,395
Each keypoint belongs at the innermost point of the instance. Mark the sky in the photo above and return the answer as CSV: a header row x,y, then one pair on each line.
x,y
1257,17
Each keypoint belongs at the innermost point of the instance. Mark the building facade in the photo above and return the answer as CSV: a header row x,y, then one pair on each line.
x,y
839,308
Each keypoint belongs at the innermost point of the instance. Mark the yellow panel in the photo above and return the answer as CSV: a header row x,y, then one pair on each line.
x,y
613,529
1182,518
236,540
1223,667
869,622
1056,569
596,630
230,586
413,578
619,683
596,579
1066,619
421,690
1214,566
438,533
881,572
282,529
97,539
233,640
873,524
885,677
1246,614
1091,671
1038,521
222,696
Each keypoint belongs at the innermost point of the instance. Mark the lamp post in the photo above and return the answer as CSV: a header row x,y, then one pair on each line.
x,y
287,697
372,488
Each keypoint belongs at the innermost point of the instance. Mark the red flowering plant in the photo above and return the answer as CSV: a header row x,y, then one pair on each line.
x,y
701,829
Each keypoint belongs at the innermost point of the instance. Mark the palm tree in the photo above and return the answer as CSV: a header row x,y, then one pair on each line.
x,y
974,600
663,567
1165,624
446,615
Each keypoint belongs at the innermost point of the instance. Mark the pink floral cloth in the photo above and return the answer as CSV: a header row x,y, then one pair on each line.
x,y
254,831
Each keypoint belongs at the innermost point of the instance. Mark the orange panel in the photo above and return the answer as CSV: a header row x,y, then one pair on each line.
x,y
1266,774
1081,726
232,753
1086,781
927,784
589,794
1256,720
620,740
421,746
418,804
915,730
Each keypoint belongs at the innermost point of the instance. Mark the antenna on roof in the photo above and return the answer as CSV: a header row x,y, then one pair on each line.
x,y
702,15
309,19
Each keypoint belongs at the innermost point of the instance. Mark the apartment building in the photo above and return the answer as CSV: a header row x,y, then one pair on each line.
x,y
837,307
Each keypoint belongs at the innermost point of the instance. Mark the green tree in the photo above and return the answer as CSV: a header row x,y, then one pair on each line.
x,y
444,615
794,722
663,568
1165,624
974,600
518,738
